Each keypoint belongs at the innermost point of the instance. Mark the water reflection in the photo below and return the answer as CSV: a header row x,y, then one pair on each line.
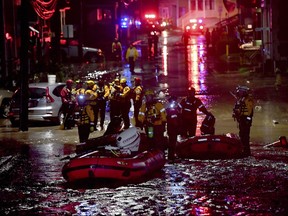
x,y
196,64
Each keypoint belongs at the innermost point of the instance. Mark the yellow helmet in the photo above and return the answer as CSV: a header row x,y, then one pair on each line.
x,y
123,80
90,83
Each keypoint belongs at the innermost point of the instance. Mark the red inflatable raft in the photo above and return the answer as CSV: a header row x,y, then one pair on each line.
x,y
210,147
95,166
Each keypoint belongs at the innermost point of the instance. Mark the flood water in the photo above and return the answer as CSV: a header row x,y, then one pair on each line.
x,y
256,185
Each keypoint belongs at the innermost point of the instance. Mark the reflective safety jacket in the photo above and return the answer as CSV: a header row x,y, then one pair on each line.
x,y
114,92
132,52
91,96
102,91
153,113
173,111
116,47
125,96
244,107
137,94
190,106
86,115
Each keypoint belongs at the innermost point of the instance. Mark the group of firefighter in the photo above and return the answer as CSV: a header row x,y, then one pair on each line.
x,y
150,112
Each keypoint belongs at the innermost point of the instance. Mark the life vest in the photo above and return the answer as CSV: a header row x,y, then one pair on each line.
x,y
91,96
154,113
84,118
137,93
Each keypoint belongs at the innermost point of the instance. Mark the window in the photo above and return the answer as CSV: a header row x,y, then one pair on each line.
x,y
193,5
209,4
200,5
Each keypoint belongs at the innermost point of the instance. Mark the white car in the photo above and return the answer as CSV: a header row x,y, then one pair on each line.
x,y
44,103
5,98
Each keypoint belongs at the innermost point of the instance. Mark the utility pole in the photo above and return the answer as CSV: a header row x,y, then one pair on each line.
x,y
24,65
80,50
3,69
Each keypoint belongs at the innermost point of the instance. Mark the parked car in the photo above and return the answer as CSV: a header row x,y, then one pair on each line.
x,y
44,103
69,50
5,98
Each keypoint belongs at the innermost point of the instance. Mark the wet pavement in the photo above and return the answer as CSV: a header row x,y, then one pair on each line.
x,y
32,183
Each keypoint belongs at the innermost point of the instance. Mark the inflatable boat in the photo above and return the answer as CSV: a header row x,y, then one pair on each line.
x,y
121,158
94,165
210,147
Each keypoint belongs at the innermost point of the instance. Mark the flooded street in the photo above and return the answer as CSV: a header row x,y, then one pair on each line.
x,y
256,185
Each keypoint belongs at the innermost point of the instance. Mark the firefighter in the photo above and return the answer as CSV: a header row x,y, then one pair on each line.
x,y
152,115
102,91
68,104
131,56
173,111
91,96
190,105
137,99
243,113
79,89
125,102
114,100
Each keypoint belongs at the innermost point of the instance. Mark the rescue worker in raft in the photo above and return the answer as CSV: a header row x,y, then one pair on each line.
x,y
102,91
86,122
173,111
243,113
153,117
190,105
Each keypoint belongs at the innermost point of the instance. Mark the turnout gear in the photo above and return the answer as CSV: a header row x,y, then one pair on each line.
x,y
137,99
190,105
243,113
125,102
131,56
102,92
152,115
114,99
173,111
116,50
